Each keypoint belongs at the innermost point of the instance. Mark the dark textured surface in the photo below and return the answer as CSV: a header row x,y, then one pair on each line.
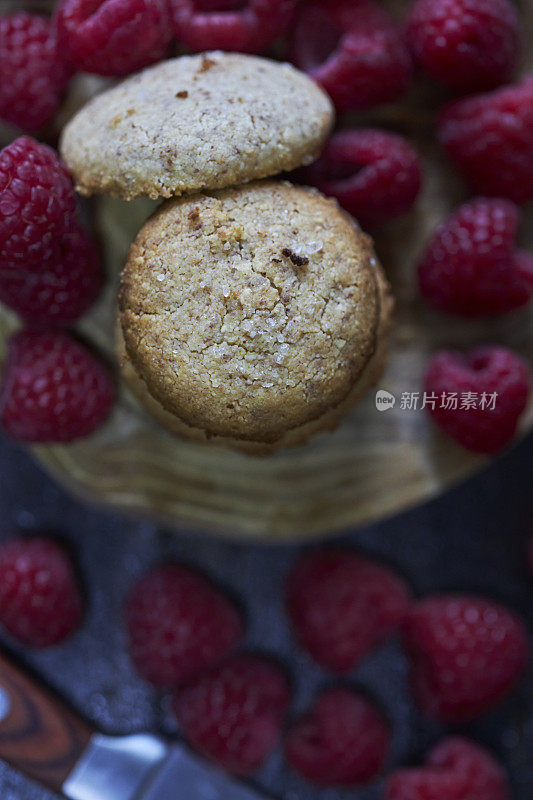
x,y
473,538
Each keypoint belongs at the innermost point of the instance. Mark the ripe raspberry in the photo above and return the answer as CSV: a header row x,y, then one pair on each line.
x,y
247,26
342,605
178,625
352,50
114,37
374,175
471,267
59,292
490,139
53,388
343,741
37,203
34,72
499,382
40,603
457,769
233,715
467,45
467,654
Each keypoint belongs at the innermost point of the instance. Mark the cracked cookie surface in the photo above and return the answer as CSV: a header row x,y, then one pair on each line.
x,y
196,122
251,312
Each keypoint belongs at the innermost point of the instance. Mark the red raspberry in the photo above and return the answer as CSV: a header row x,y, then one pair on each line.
x,y
37,203
248,26
233,715
114,37
490,139
342,605
467,654
53,388
353,50
178,625
457,769
40,603
471,267
467,45
343,741
375,175
59,292
34,72
500,383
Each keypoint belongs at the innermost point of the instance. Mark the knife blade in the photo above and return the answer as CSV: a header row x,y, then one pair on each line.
x,y
43,738
144,767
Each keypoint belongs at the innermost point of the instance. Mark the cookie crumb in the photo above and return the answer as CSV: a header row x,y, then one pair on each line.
x,y
206,64
298,261
194,218
183,94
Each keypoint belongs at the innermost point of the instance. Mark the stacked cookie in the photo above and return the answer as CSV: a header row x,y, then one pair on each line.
x,y
252,312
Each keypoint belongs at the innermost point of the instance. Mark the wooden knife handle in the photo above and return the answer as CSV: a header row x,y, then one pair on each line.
x,y
39,736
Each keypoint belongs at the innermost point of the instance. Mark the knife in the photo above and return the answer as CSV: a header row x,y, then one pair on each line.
x,y
45,740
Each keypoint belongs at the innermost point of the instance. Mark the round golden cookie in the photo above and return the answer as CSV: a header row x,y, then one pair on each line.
x,y
197,122
256,315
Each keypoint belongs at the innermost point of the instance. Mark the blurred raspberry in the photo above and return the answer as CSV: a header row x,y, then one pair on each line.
x,y
40,602
375,175
456,769
471,267
490,139
114,37
34,72
342,741
178,625
342,605
247,26
37,203
353,50
498,381
467,654
53,388
60,291
467,45
233,715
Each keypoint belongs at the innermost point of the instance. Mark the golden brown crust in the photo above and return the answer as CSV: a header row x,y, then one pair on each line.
x,y
180,127
250,314
293,438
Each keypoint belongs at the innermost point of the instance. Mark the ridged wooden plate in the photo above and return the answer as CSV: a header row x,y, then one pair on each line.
x,y
377,463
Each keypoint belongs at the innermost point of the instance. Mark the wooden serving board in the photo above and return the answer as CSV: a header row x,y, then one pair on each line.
x,y
377,462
